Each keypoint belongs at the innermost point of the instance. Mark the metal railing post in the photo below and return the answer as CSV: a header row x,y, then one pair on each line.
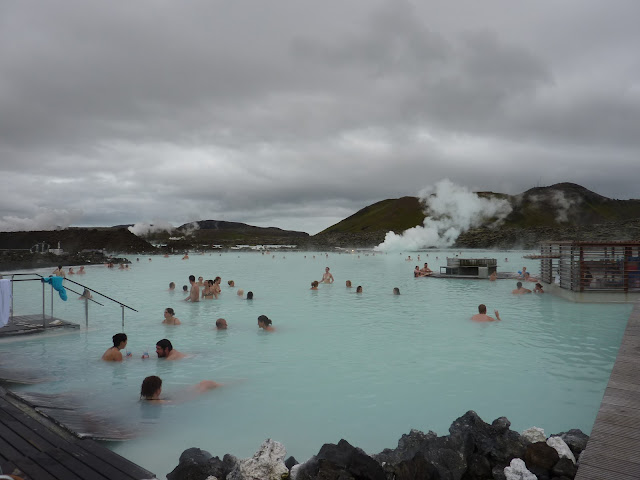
x,y
122,307
51,301
86,313
44,324
11,313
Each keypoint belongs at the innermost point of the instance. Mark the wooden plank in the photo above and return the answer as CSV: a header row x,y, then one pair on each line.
x,y
593,472
79,456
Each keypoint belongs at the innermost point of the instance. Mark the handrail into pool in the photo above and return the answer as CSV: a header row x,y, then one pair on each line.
x,y
86,303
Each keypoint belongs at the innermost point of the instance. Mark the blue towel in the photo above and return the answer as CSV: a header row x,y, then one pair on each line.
x,y
56,282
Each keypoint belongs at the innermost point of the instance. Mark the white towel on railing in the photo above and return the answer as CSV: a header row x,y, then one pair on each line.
x,y
5,301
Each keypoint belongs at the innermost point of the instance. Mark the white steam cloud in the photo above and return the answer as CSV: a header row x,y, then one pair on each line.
x,y
451,209
190,228
143,229
564,205
44,219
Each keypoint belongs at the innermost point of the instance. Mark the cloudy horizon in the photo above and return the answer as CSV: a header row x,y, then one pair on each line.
x,y
296,114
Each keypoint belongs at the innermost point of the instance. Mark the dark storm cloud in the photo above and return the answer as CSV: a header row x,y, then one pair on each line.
x,y
293,111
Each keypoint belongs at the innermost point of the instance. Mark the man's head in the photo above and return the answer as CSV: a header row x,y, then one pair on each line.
x,y
185,288
200,279
326,269
221,324
150,386
426,264
396,291
118,338
519,284
172,286
249,295
163,348
192,279
482,308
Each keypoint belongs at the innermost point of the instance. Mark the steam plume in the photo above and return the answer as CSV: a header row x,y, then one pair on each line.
x,y
143,229
451,209
44,219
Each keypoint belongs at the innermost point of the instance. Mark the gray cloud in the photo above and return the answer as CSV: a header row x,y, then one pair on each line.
x,y
299,113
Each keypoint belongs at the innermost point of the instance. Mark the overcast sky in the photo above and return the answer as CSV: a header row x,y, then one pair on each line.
x,y
297,113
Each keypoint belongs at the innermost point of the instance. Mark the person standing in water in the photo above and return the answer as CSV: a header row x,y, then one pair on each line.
x,y
326,276
194,294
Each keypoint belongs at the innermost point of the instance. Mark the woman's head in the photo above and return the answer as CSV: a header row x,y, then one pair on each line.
x,y
210,283
169,311
264,321
231,283
359,289
348,283
151,386
249,295
314,284
217,280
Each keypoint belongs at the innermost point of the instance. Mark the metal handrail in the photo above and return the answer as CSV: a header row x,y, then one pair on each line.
x,y
122,305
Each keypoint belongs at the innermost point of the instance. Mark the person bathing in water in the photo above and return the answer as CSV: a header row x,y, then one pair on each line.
x,y
164,349
169,317
482,316
265,322
151,389
113,353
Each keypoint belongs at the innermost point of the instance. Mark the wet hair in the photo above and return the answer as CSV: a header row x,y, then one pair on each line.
x,y
192,278
249,295
172,284
539,285
396,291
210,282
170,311
348,283
216,279
519,284
164,344
359,288
59,267
314,283
219,322
264,319
184,288
118,338
482,308
150,386
231,283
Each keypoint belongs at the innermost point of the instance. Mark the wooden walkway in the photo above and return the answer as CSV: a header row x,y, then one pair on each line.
x,y
28,324
613,451
37,449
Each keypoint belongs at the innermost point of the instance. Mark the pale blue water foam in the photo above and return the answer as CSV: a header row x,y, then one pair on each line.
x,y
366,368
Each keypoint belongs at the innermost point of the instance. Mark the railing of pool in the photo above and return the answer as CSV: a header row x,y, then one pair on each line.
x,y
86,299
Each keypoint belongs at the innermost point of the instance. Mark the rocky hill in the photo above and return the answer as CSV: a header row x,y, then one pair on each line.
x,y
564,211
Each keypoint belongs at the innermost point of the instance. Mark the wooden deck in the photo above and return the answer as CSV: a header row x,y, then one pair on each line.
x,y
37,449
28,324
613,451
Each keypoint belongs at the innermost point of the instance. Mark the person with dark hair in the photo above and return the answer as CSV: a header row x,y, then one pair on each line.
x,y
482,316
396,291
207,291
216,287
113,353
359,289
520,290
59,272
164,349
194,294
538,288
151,389
265,322
169,317
314,285
221,324
231,283
249,295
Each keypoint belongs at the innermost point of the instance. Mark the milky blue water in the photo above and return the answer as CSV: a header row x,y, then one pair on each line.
x,y
366,368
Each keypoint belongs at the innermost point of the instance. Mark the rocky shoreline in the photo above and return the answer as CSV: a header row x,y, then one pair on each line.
x,y
473,450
